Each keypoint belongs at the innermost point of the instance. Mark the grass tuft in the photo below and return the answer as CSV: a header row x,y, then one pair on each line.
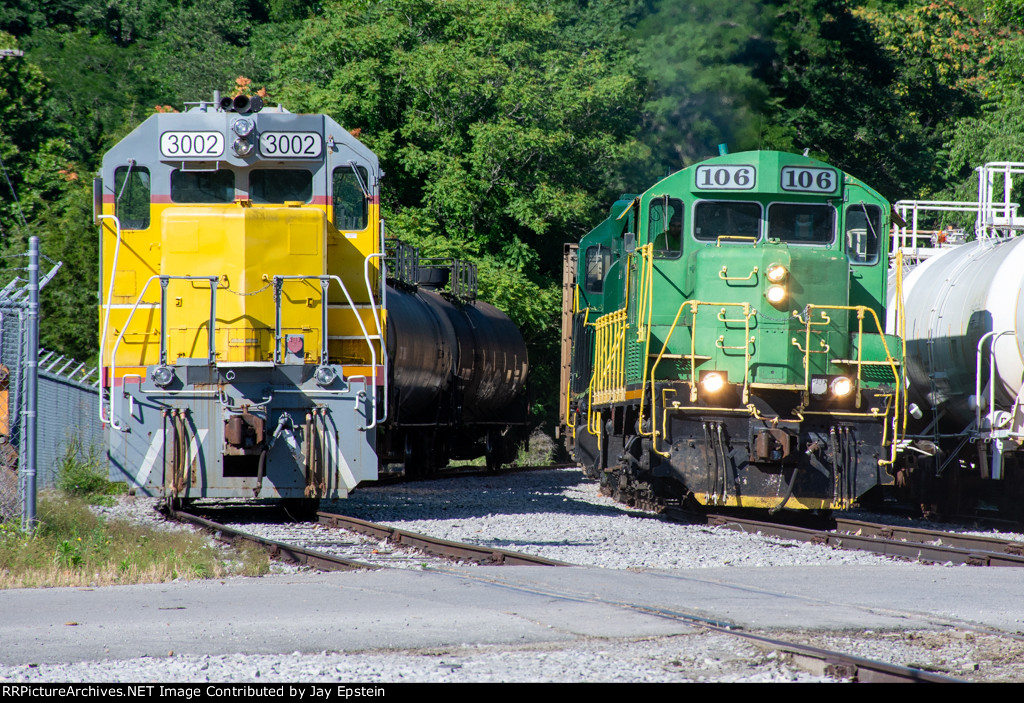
x,y
74,547
80,472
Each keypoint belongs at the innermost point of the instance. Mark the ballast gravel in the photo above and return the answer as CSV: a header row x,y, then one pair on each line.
x,y
559,515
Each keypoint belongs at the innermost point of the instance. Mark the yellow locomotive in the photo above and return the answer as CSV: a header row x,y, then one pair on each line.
x,y
245,346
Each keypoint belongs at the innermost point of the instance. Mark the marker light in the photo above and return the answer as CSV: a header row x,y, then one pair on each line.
x,y
841,386
242,127
776,273
324,375
775,294
712,382
162,376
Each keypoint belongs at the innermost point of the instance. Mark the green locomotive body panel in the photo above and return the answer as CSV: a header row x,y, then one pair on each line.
x,y
751,284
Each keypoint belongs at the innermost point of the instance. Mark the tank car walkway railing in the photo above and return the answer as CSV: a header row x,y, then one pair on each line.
x,y
918,244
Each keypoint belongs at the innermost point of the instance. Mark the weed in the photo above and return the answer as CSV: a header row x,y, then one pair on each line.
x,y
80,470
74,547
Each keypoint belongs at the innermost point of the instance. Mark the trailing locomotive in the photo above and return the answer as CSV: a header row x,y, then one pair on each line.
x,y
252,345
723,339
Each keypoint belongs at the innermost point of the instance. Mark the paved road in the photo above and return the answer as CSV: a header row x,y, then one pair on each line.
x,y
497,605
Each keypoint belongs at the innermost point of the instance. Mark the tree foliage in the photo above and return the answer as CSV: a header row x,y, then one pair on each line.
x,y
506,127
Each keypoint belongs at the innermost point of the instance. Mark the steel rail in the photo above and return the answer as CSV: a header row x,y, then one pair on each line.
x,y
841,665
937,537
892,546
823,661
277,550
434,545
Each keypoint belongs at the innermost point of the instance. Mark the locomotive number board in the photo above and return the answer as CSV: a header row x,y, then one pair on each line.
x,y
191,145
739,177
291,145
806,179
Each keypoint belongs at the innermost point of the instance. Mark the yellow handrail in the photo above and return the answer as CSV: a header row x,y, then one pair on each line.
x,y
748,313
860,310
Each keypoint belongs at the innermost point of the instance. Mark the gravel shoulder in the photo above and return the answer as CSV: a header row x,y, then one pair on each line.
x,y
562,517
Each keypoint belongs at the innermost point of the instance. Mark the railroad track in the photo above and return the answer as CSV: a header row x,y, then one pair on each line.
x,y
814,659
458,551
889,540
325,561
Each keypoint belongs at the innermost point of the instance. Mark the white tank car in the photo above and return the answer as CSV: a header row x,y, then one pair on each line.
x,y
951,302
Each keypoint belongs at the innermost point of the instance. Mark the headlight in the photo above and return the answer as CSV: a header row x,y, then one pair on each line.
x,y
162,376
776,273
841,386
775,294
712,382
242,127
242,147
324,376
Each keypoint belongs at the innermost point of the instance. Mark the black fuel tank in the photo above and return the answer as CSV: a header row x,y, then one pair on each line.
x,y
453,362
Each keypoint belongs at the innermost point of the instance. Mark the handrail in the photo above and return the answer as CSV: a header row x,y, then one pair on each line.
x,y
860,309
106,315
748,313
377,318
164,280
991,378
325,282
725,270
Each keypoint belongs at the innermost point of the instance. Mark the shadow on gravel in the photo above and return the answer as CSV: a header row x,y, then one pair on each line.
x,y
554,491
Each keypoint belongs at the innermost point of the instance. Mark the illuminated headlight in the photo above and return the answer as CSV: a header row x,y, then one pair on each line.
x,y
712,382
162,376
841,386
242,147
776,273
775,294
324,376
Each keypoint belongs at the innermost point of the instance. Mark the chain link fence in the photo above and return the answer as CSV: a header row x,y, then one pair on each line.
x,y
12,366
67,421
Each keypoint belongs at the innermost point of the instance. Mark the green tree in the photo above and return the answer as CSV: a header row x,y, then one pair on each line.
x,y
876,92
699,57
502,127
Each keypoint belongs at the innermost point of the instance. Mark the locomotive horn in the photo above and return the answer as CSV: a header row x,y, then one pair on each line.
x,y
225,103
241,103
255,103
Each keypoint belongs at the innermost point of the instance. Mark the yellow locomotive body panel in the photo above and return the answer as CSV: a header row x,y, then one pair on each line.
x,y
244,246
241,305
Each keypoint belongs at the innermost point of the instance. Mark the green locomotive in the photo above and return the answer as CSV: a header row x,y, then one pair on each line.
x,y
723,339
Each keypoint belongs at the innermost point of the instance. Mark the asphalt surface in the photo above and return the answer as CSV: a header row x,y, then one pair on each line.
x,y
401,609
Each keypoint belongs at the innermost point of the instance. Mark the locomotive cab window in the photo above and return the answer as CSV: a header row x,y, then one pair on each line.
x,y
724,218
801,223
280,186
349,198
665,226
863,224
132,189
598,260
209,187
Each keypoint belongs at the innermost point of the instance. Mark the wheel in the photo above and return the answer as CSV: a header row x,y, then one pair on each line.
x,y
301,509
176,503
493,450
418,456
